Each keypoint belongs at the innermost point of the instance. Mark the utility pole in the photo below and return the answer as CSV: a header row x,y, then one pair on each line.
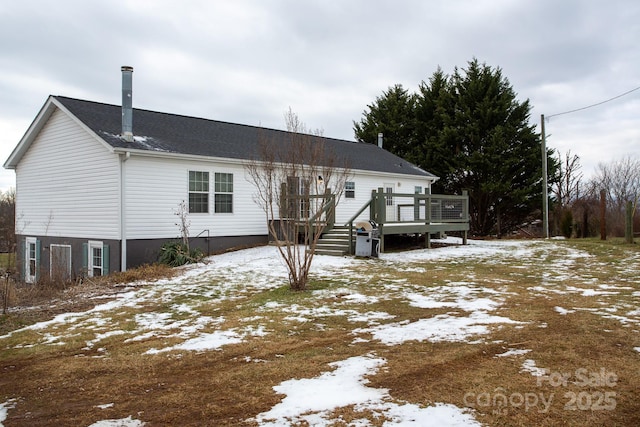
x,y
545,186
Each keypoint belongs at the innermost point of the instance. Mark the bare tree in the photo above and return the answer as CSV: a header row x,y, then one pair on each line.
x,y
621,181
566,192
183,223
299,181
567,189
8,221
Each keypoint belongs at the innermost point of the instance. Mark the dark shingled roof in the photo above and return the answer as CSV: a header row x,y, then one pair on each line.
x,y
171,133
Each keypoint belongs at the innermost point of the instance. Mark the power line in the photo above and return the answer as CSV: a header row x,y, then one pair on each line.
x,y
594,105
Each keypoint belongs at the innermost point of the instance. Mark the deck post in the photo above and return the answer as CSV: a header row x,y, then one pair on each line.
x,y
372,206
466,215
427,216
381,214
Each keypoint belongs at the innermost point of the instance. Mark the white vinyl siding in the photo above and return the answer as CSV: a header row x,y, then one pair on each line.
x,y
366,182
152,207
67,184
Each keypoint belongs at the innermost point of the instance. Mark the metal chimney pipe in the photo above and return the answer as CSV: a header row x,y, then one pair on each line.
x,y
380,140
127,103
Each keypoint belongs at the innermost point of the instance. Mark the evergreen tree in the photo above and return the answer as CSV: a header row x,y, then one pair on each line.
x,y
392,115
471,131
433,127
497,153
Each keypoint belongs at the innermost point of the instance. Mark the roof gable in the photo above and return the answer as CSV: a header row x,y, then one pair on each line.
x,y
41,119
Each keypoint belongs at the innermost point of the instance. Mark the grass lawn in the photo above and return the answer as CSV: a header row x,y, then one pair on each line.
x,y
515,333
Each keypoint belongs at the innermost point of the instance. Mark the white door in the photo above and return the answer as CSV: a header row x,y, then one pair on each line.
x,y
389,188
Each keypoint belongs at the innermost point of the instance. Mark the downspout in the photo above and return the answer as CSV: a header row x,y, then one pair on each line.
x,y
123,212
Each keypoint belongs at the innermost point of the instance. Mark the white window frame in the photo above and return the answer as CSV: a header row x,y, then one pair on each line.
x,y
217,191
94,244
28,277
199,191
51,260
350,193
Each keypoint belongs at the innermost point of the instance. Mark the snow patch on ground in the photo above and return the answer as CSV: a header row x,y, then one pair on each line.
x,y
4,408
439,328
105,406
563,311
513,352
529,366
123,422
312,400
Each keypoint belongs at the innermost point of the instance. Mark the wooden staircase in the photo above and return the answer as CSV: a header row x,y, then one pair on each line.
x,y
334,242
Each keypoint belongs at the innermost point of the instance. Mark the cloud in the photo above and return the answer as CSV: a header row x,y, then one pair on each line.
x,y
247,61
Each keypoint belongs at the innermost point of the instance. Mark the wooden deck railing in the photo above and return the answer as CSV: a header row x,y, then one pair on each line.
x,y
405,213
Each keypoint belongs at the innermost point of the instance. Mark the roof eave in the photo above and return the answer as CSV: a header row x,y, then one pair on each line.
x,y
176,156
27,139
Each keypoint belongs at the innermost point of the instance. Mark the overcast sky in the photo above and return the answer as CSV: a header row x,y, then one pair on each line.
x,y
247,61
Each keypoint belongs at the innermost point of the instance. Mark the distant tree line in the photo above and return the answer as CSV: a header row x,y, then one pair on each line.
x,y
7,221
575,202
469,129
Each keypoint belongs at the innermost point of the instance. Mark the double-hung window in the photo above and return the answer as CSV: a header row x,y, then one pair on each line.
x,y
31,260
198,192
349,190
223,193
95,258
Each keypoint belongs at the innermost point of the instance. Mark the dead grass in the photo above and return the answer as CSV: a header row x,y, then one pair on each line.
x,y
62,384
7,261
32,303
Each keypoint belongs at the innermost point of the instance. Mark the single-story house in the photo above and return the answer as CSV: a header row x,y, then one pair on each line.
x,y
98,185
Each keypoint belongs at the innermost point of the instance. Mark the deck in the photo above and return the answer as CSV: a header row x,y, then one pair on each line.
x,y
400,213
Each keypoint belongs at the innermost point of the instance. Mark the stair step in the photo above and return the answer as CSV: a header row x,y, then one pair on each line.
x,y
335,242
332,247
331,252
335,237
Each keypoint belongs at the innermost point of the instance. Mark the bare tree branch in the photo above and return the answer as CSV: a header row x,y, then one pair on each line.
x,y
299,182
